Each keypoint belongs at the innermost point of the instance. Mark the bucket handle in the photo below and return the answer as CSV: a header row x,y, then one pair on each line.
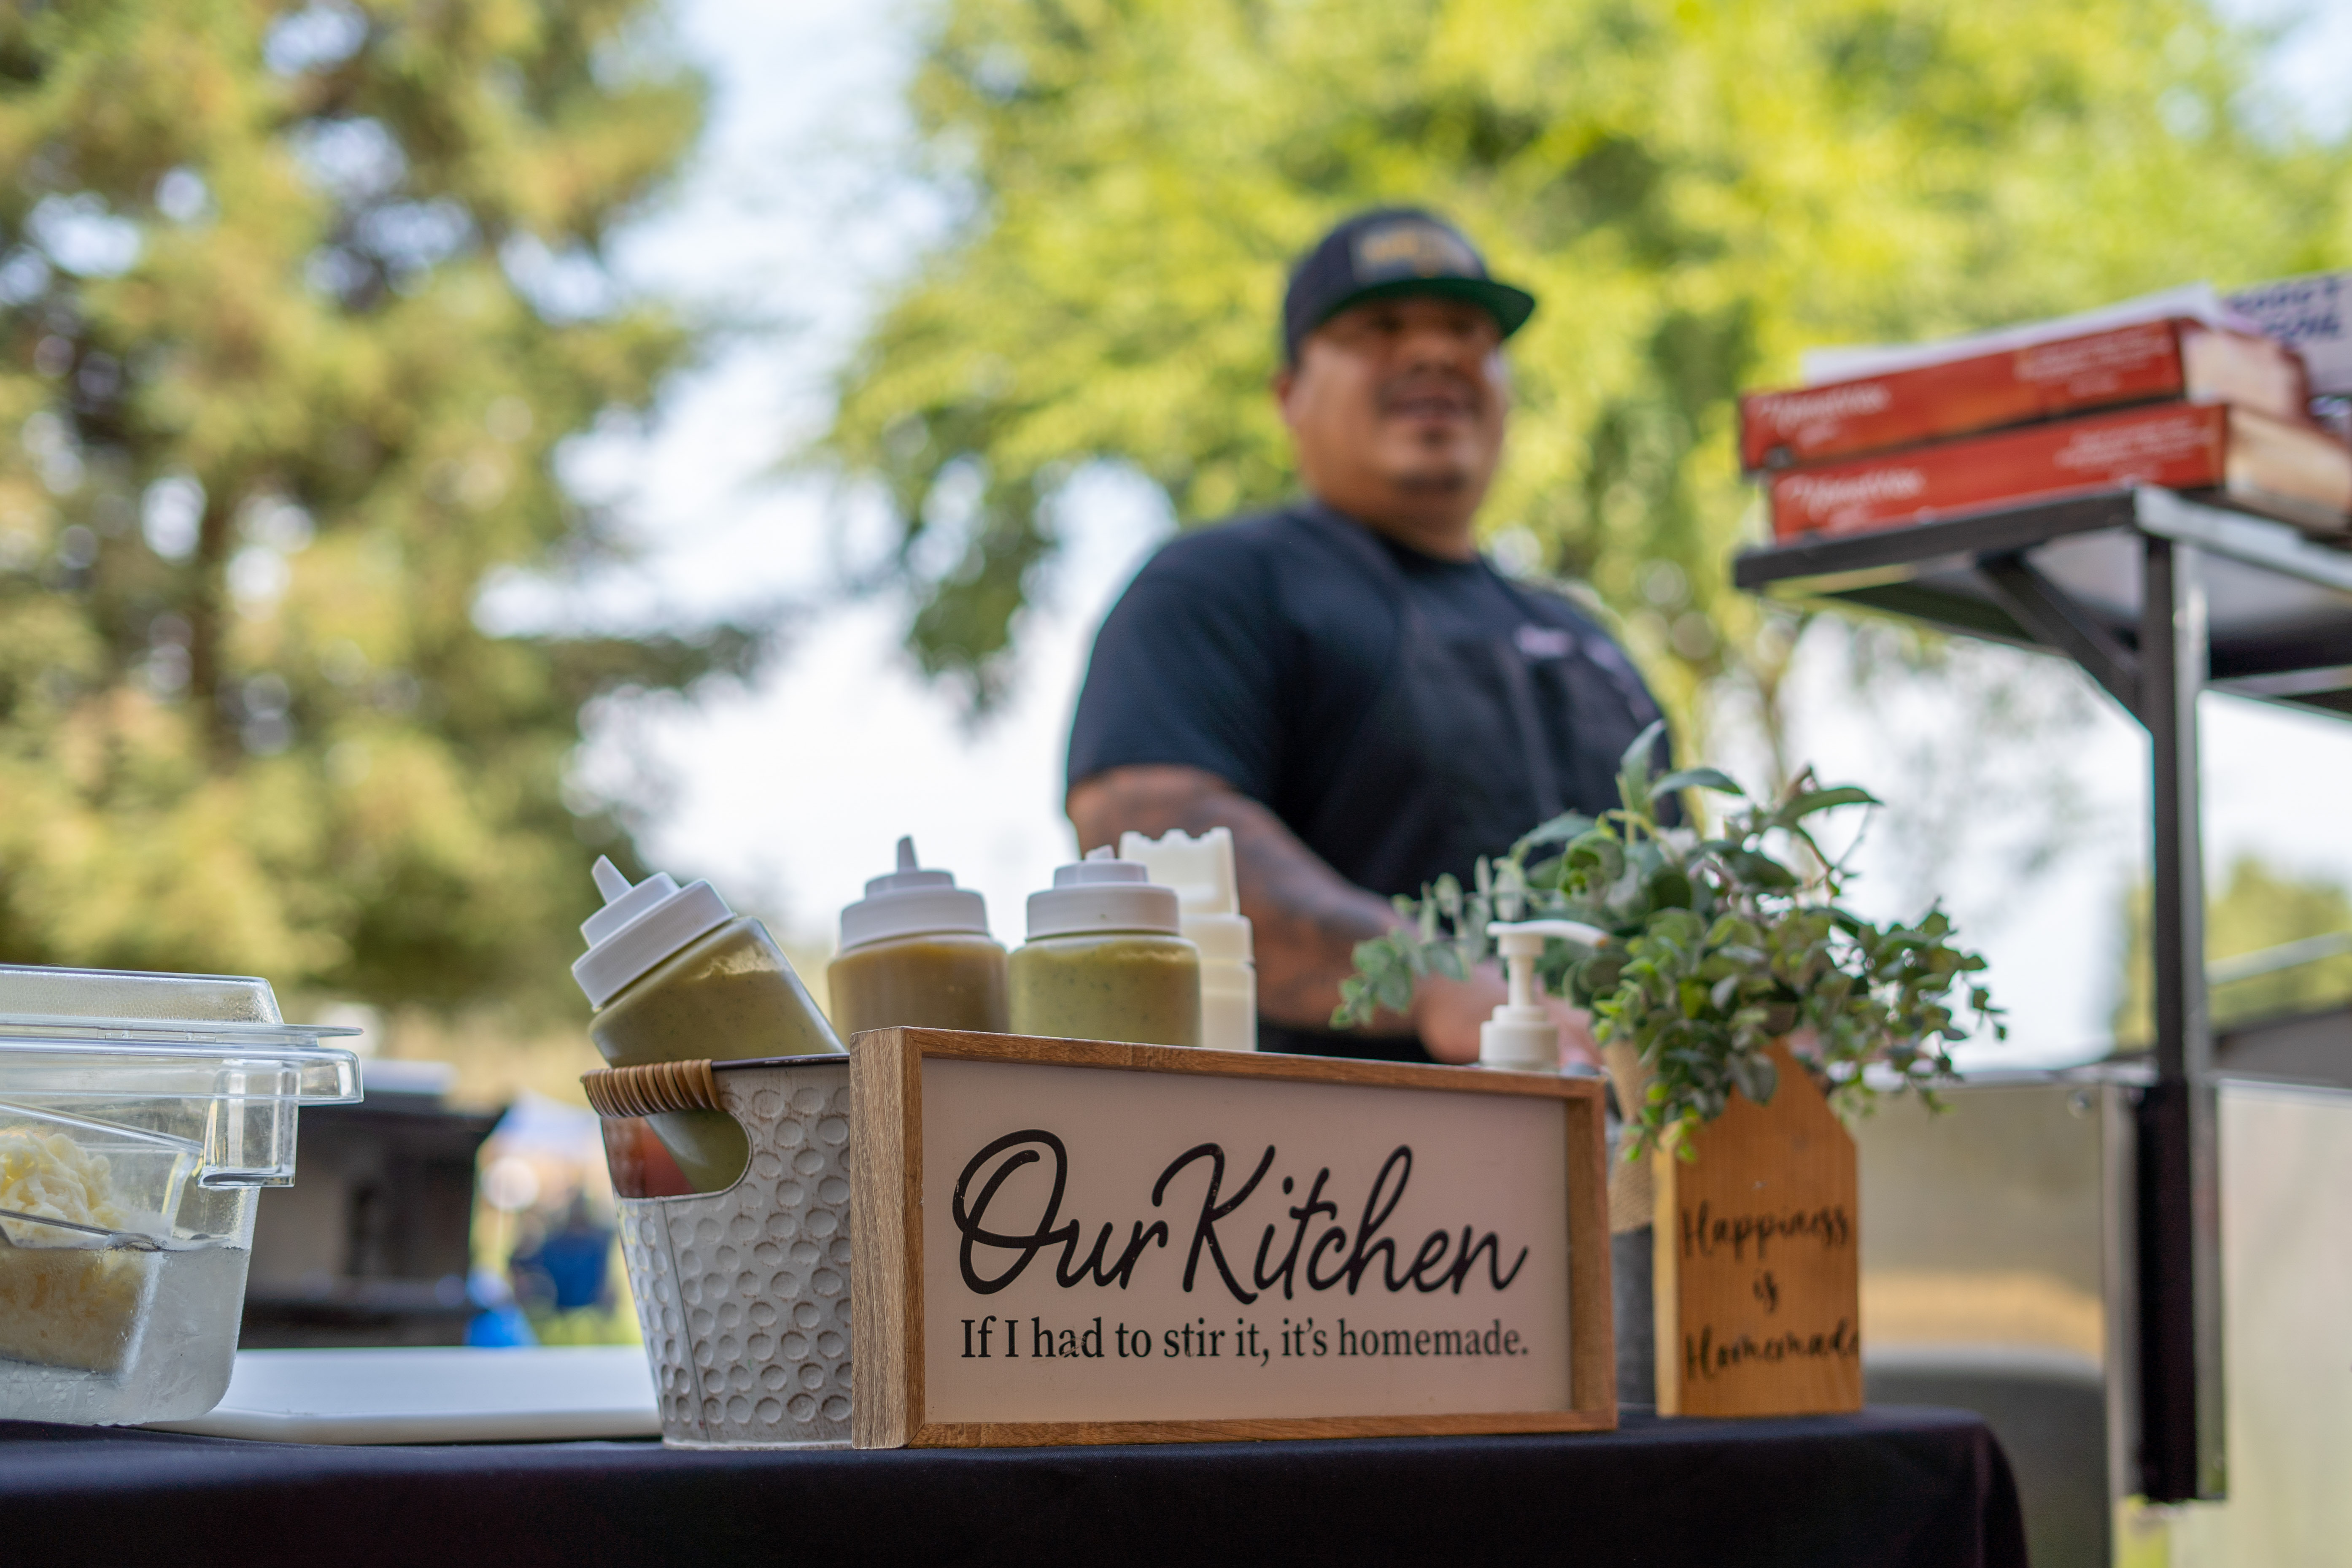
x,y
652,1089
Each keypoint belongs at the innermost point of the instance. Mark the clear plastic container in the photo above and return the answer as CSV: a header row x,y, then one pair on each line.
x,y
139,1116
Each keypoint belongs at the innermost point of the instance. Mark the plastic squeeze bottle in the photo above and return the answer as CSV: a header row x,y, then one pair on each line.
x,y
674,976
1520,1036
1209,916
916,950
1104,960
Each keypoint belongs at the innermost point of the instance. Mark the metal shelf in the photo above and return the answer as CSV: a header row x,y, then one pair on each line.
x,y
2159,597
2278,602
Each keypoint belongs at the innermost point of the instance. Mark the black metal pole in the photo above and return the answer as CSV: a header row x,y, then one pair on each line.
x,y
2182,1452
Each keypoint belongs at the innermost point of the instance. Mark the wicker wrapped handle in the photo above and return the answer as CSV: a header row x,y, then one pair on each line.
x,y
652,1088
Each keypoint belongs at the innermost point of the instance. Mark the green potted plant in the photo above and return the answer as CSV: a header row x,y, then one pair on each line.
x,y
1729,951
1721,943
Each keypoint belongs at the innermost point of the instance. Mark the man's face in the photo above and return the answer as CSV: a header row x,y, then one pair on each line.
x,y
1398,405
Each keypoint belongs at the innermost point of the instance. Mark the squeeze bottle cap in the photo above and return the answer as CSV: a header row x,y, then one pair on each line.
x,y
1521,1035
639,926
909,901
1102,893
1200,871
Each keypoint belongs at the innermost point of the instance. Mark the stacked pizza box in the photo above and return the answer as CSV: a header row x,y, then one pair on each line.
x,y
2313,316
2200,400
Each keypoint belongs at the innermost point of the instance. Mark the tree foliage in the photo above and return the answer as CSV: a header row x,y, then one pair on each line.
x,y
297,303
1696,192
2259,909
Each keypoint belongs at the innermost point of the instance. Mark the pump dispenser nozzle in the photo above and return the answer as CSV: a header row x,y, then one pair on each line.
x,y
1521,1035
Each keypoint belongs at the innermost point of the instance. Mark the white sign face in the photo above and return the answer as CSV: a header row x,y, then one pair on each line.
x,y
1110,1246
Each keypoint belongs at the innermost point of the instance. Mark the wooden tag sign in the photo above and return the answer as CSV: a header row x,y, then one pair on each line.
x,y
1064,1241
1757,1286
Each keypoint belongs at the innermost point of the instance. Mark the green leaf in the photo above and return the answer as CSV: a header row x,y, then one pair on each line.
x,y
1604,858
1561,829
1633,770
1696,778
1805,805
1755,1076
1600,973
1635,762
1756,866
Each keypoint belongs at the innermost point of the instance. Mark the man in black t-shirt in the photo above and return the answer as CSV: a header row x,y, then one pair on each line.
x,y
1345,683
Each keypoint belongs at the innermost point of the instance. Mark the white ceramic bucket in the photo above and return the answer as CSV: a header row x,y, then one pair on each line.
x,y
744,1295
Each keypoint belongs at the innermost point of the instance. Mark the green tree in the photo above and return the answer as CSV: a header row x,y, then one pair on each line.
x,y
1696,192
295,305
2260,907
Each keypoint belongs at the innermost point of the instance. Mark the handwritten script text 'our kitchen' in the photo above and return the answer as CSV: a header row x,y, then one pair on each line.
x,y
1005,1249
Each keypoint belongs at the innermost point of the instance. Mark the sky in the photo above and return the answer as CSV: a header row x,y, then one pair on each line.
x,y
790,791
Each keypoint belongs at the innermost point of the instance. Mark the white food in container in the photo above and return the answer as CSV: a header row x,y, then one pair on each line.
x,y
139,1116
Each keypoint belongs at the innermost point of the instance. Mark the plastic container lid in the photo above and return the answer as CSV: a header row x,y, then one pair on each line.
x,y
911,902
201,1062
171,1017
1102,893
130,997
639,926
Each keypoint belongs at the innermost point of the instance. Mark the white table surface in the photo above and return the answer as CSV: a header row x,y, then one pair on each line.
x,y
434,1396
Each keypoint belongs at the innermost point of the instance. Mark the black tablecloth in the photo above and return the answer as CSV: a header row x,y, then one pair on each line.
x,y
1895,1488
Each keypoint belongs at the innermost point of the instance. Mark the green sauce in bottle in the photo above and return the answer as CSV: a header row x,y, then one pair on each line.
x,y
1104,961
676,976
915,951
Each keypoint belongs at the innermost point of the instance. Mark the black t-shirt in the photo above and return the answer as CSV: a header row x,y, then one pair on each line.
x,y
1400,713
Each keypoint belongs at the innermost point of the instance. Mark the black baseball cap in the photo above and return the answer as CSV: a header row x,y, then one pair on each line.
x,y
1386,252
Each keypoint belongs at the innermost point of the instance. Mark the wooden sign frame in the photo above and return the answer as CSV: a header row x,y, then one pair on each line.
x,y
887,1219
1756,1254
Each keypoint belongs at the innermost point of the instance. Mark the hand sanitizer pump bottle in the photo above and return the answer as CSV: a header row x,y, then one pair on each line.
x,y
1522,1037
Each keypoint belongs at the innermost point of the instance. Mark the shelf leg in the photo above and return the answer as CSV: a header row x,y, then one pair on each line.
x,y
2183,1454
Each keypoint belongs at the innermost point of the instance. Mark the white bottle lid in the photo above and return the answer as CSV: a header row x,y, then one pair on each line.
x,y
1200,870
911,902
1101,893
1201,873
639,926
1521,1035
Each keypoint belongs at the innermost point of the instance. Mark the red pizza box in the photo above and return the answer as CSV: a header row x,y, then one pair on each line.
x,y
2182,360
2288,469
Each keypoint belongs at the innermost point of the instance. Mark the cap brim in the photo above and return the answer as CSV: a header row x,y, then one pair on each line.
x,y
1510,307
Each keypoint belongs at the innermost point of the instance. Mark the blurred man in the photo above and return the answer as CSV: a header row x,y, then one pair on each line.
x,y
1347,683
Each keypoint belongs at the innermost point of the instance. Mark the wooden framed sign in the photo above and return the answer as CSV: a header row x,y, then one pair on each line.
x,y
1064,1241
1757,1280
